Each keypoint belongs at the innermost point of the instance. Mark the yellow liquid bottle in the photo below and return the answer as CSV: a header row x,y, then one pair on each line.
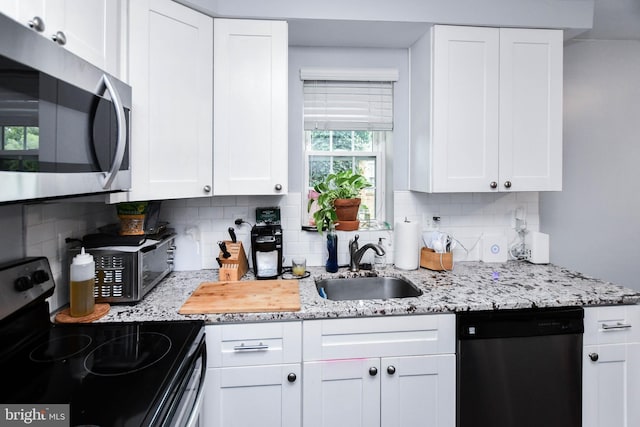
x,y
81,286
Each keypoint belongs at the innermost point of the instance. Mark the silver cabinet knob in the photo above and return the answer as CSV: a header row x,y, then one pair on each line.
x,y
493,184
278,187
373,371
391,369
291,377
207,188
507,184
37,24
59,38
594,357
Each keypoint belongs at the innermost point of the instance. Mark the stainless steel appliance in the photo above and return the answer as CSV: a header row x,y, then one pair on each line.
x,y
64,122
125,274
110,374
520,368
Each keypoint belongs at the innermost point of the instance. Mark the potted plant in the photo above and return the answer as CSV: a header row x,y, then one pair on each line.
x,y
338,200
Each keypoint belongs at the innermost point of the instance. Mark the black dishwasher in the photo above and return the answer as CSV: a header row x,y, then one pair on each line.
x,y
520,368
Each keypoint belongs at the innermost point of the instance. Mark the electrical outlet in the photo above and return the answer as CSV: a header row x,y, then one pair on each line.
x,y
62,245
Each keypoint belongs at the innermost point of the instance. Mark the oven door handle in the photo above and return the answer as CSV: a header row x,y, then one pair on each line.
x,y
121,121
197,406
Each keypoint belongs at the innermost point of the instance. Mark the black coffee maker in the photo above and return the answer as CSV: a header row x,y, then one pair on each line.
x,y
266,243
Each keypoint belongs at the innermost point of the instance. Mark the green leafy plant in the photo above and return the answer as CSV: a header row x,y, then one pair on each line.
x,y
341,185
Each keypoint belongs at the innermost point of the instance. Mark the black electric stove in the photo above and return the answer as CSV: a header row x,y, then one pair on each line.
x,y
110,374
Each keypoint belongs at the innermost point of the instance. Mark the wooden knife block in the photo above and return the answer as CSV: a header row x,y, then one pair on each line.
x,y
236,266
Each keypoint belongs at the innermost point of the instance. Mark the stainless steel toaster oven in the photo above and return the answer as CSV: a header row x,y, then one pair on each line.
x,y
125,274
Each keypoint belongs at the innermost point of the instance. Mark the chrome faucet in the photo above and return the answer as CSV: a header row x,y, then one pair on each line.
x,y
355,253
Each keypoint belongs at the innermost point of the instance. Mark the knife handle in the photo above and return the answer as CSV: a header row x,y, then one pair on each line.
x,y
223,248
232,234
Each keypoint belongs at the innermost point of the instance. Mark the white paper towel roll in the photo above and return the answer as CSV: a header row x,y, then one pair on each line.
x,y
407,245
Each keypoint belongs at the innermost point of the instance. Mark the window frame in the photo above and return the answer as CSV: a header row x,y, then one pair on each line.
x,y
379,153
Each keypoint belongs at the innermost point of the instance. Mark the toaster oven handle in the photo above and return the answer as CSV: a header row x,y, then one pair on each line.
x,y
148,248
121,121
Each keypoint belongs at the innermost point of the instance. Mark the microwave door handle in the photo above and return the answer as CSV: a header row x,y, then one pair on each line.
x,y
105,83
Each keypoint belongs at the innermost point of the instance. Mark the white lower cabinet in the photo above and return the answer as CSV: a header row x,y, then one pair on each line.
x,y
418,391
378,371
387,371
395,391
266,396
253,375
611,367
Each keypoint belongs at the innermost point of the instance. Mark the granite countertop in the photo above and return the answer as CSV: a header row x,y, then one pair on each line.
x,y
470,286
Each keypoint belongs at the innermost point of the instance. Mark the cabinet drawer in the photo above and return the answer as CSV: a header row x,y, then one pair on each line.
x,y
612,324
253,344
379,336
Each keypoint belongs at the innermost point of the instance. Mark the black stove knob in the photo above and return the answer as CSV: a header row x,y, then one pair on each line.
x,y
23,283
39,276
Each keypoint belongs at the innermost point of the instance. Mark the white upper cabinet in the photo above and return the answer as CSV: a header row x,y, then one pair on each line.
x,y
171,72
90,29
486,110
250,107
530,109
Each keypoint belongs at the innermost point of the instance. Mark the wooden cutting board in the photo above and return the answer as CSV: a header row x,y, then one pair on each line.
x,y
246,296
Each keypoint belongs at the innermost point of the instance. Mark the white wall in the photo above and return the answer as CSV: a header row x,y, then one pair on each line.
x,y
594,222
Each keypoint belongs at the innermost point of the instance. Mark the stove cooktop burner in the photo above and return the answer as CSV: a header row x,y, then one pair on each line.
x,y
127,354
60,348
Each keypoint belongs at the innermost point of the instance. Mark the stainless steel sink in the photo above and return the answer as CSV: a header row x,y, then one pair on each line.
x,y
364,288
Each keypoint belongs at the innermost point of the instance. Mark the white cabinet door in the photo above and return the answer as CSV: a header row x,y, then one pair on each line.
x,y
23,11
495,117
171,69
250,107
611,385
418,391
92,28
266,396
611,366
342,393
530,110
465,108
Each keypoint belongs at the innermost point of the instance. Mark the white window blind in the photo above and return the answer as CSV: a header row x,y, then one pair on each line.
x,y
348,105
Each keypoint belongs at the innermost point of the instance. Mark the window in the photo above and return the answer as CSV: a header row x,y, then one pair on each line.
x,y
19,149
347,124
330,151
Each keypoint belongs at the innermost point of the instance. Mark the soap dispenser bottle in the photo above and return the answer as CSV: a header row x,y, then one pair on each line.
x,y
81,286
380,261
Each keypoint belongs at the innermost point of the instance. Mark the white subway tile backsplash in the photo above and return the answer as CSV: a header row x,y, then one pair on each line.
x,y
467,216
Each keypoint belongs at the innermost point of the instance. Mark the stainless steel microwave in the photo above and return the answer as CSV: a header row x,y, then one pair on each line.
x,y
64,123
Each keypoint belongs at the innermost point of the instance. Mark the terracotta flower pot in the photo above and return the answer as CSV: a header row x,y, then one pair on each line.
x,y
348,225
347,212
